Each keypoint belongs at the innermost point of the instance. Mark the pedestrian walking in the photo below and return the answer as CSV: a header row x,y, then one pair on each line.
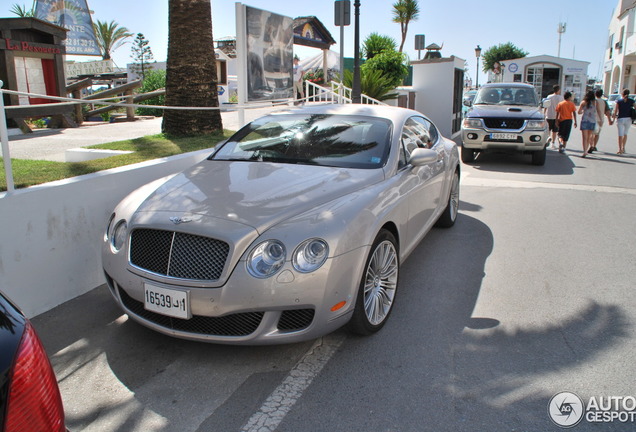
x,y
623,119
565,116
605,109
589,111
298,80
555,98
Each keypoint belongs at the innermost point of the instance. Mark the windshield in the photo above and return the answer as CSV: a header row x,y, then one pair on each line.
x,y
470,95
506,96
318,139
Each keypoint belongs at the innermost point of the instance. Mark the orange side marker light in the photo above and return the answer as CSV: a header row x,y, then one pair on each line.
x,y
338,306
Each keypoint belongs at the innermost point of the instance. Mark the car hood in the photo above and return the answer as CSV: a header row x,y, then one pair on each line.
x,y
512,111
257,194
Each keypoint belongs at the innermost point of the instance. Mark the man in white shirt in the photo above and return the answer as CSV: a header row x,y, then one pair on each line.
x,y
298,79
550,114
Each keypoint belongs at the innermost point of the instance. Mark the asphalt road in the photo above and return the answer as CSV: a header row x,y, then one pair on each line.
x,y
529,295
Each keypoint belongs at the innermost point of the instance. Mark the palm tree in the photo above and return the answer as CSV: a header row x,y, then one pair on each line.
x,y
191,70
110,36
22,11
405,11
375,43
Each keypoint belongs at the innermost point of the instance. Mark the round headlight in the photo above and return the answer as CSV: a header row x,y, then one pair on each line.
x,y
266,259
118,236
310,255
108,227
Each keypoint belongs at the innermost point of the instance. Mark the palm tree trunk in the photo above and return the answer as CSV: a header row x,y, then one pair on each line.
x,y
191,70
403,29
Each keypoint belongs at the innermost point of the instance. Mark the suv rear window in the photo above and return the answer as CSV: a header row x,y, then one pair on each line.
x,y
506,96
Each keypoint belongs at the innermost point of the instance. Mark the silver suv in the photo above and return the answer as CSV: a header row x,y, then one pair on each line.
x,y
505,116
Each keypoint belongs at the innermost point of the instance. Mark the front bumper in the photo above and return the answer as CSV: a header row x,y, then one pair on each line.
x,y
288,307
524,140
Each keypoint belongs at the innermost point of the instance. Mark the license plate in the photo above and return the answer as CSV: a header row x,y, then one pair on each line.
x,y
503,136
169,302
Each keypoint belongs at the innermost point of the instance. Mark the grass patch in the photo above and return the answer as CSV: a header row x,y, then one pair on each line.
x,y
32,172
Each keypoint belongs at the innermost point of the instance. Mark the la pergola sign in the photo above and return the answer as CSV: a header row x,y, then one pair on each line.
x,y
30,47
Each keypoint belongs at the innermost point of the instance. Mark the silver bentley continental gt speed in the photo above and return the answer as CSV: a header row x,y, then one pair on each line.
x,y
292,228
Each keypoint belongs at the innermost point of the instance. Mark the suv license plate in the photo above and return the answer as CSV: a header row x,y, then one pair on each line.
x,y
168,302
503,136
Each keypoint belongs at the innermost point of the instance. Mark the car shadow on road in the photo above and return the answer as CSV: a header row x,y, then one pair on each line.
x,y
439,366
555,164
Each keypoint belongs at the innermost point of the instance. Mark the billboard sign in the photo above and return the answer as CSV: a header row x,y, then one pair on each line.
x,y
76,69
74,16
269,48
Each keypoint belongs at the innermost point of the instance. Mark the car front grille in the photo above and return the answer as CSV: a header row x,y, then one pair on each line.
x,y
178,255
294,320
240,324
504,123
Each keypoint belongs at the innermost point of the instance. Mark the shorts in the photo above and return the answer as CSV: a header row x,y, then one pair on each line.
x,y
588,125
623,123
565,127
552,126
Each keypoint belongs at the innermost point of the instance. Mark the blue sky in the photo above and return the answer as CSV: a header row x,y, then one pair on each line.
x,y
458,24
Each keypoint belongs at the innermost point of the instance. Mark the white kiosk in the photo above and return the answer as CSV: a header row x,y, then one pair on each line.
x,y
438,84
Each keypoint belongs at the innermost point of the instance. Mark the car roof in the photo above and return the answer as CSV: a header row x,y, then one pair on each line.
x,y
395,114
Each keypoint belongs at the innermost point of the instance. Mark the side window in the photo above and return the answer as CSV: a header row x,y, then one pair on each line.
x,y
417,133
411,139
432,132
425,130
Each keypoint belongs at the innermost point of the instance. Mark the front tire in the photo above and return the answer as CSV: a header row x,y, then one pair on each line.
x,y
376,293
449,216
468,155
538,157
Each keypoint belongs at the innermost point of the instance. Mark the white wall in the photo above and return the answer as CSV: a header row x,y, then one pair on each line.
x,y
433,82
619,68
50,235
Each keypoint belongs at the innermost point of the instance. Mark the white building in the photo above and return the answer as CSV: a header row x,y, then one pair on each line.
x,y
543,72
619,68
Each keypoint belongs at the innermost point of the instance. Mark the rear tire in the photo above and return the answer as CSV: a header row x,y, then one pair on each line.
x,y
468,155
376,293
538,157
449,216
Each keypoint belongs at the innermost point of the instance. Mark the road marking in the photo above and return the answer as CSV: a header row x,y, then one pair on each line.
x,y
468,180
283,398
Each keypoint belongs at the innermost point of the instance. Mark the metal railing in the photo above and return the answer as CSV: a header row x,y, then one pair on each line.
x,y
345,91
318,93
338,93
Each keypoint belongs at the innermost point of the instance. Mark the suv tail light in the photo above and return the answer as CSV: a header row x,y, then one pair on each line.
x,y
34,402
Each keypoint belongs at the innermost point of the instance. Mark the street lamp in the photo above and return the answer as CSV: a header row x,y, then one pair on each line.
x,y
356,90
477,54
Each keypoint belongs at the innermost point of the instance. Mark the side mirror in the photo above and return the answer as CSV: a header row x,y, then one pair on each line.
x,y
468,102
421,156
545,103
